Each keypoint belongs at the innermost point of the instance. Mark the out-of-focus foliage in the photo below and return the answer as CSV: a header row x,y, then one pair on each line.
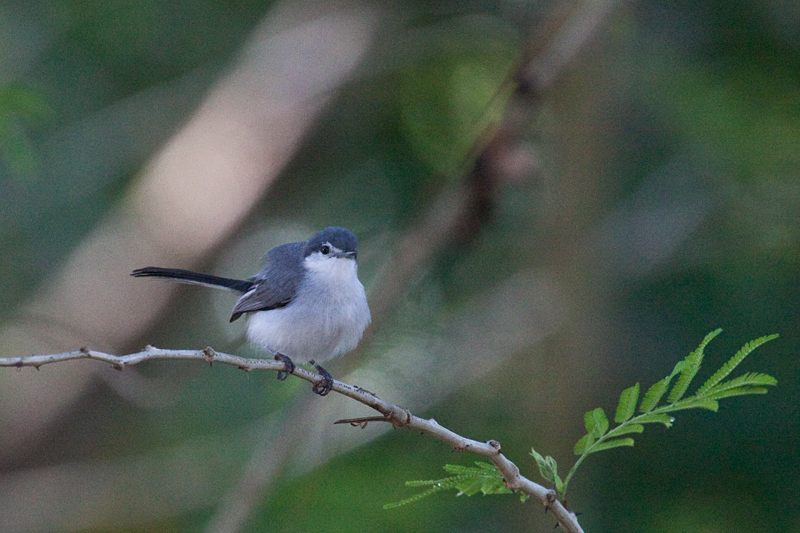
x,y
664,202
459,94
20,107
115,78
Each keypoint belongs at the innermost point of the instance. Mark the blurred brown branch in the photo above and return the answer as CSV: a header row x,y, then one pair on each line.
x,y
395,415
573,35
501,157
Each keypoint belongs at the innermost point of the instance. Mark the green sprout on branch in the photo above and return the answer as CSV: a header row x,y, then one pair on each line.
x,y
485,479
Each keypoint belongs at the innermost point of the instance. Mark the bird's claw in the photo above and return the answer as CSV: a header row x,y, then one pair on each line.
x,y
326,385
289,366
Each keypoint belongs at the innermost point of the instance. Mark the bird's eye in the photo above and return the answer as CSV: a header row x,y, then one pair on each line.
x,y
326,249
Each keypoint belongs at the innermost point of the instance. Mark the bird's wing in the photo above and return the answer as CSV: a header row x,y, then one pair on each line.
x,y
276,284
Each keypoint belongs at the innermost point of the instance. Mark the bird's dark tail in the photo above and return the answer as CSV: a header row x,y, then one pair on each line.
x,y
194,278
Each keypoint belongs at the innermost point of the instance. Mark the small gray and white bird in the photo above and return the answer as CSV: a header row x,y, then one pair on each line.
x,y
307,304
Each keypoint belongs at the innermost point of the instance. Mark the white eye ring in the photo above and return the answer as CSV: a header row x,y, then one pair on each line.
x,y
326,249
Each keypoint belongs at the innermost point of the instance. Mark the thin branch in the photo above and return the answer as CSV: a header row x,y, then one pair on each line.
x,y
397,416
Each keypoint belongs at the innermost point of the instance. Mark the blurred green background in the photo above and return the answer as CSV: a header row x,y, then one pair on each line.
x,y
529,252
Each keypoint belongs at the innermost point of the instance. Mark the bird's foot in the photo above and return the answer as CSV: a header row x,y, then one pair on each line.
x,y
288,366
326,385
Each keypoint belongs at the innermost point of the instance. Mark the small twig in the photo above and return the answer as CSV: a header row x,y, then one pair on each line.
x,y
362,421
397,416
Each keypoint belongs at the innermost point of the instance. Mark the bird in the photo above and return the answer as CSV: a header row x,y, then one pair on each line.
x,y
307,303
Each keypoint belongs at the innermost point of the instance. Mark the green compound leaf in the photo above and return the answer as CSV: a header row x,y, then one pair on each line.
x,y
657,390
599,438
691,366
627,404
733,362
596,422
696,403
625,429
660,418
484,478
416,497
583,445
613,443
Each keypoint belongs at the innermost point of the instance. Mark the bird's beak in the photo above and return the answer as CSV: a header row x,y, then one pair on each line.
x,y
348,255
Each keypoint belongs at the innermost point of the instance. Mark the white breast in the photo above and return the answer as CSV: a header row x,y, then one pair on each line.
x,y
326,318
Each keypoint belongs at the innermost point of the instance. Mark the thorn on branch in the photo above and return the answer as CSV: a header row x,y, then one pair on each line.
x,y
85,350
362,421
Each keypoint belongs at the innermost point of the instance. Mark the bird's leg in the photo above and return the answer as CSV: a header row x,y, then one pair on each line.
x,y
327,380
288,364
